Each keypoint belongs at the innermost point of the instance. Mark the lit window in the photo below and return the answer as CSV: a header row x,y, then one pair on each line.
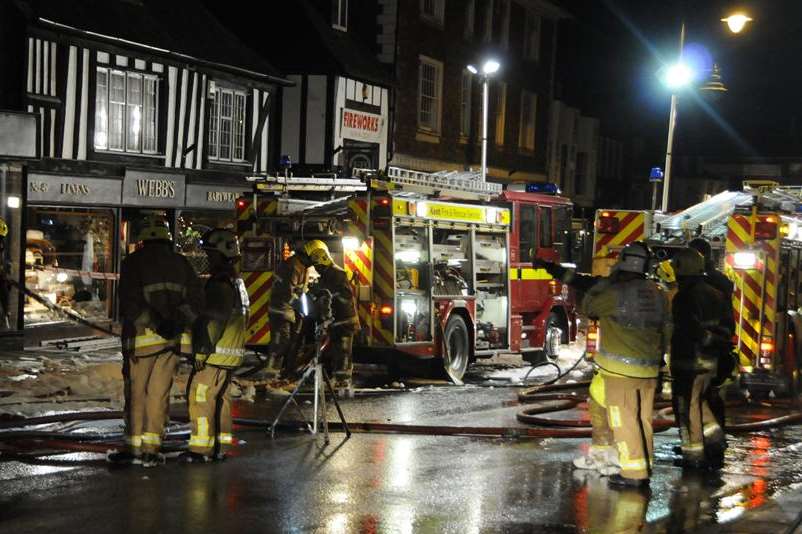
x,y
433,10
430,79
226,125
339,15
470,18
126,111
532,37
465,108
500,108
526,138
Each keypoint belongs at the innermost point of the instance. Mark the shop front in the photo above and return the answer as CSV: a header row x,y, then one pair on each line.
x,y
79,229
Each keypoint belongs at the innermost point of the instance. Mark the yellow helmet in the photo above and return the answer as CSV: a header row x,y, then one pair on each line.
x,y
154,228
3,228
665,272
688,262
223,241
318,253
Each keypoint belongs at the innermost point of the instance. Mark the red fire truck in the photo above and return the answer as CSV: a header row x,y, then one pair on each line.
x,y
441,263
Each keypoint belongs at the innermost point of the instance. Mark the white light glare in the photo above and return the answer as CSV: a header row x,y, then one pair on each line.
x,y
13,202
472,69
350,243
61,277
408,256
409,307
745,260
737,22
490,66
678,75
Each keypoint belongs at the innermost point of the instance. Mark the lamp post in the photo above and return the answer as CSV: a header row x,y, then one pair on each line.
x,y
489,67
678,76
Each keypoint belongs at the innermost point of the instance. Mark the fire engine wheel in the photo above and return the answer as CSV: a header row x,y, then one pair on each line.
x,y
456,341
554,337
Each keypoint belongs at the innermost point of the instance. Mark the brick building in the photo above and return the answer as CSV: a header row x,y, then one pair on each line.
x,y
438,105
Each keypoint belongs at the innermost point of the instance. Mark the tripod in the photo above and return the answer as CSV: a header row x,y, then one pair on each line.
x,y
314,369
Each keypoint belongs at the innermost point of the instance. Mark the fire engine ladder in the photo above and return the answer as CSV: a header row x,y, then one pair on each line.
x,y
705,218
457,184
319,183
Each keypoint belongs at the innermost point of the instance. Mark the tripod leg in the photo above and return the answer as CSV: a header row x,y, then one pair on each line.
x,y
323,411
317,397
337,405
291,398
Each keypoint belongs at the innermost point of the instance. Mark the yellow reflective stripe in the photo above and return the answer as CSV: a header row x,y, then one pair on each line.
x,y
149,438
134,441
229,351
197,441
711,428
224,438
693,447
633,465
615,417
528,273
200,395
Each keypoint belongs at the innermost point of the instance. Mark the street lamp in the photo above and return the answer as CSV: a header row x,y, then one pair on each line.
x,y
489,68
737,22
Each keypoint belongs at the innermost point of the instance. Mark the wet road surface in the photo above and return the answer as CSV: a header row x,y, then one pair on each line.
x,y
402,483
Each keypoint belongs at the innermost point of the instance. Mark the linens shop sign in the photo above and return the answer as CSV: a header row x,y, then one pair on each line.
x,y
361,125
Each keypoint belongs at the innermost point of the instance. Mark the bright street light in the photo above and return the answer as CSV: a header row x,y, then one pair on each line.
x,y
489,67
737,21
678,75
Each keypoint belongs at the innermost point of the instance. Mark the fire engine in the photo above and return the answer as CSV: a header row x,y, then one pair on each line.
x,y
756,236
441,263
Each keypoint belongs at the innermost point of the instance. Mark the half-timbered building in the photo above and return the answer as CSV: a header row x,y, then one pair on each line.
x,y
142,105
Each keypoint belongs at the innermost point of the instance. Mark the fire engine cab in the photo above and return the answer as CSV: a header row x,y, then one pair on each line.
x,y
441,263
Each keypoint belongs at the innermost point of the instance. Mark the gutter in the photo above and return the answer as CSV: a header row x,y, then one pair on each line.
x,y
117,40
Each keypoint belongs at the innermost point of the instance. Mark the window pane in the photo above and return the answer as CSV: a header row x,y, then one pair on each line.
x,y
214,117
226,109
427,115
102,109
134,118
545,227
526,227
150,114
239,126
116,110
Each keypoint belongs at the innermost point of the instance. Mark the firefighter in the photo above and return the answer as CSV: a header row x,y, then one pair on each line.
x,y
715,278
5,320
702,334
289,283
337,356
219,346
160,295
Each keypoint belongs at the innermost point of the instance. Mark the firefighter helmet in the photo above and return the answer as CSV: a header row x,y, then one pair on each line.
x,y
154,228
221,240
634,258
665,272
702,246
3,228
318,253
688,262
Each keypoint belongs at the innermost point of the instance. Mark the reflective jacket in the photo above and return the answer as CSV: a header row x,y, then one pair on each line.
x,y
703,326
289,282
343,303
226,318
633,322
157,285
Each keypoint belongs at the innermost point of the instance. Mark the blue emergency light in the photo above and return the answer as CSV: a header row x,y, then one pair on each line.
x,y
656,174
545,188
285,161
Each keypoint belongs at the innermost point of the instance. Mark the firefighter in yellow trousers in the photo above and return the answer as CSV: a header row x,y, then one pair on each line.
x,y
289,283
337,357
159,298
634,321
219,339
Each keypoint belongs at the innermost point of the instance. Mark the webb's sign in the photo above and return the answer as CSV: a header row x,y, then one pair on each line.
x,y
361,125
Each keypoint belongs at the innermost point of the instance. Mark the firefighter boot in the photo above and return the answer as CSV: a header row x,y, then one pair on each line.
x,y
343,384
124,458
601,459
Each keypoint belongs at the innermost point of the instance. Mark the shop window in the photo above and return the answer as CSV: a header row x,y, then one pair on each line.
x,y
69,261
126,111
430,87
526,233
339,15
226,125
190,227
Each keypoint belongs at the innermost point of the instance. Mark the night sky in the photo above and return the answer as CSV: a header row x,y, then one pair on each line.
x,y
610,54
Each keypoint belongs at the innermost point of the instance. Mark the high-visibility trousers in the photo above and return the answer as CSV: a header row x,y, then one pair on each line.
x,y
337,357
630,402
601,435
147,384
210,410
699,429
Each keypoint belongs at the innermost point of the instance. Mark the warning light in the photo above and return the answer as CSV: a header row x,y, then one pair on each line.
x,y
766,229
386,310
744,260
608,224
241,203
350,243
767,347
384,201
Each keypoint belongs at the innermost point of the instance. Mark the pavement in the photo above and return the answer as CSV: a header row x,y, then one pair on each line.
x,y
407,483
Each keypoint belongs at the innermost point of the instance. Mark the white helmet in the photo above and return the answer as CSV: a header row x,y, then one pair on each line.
x,y
223,241
634,258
